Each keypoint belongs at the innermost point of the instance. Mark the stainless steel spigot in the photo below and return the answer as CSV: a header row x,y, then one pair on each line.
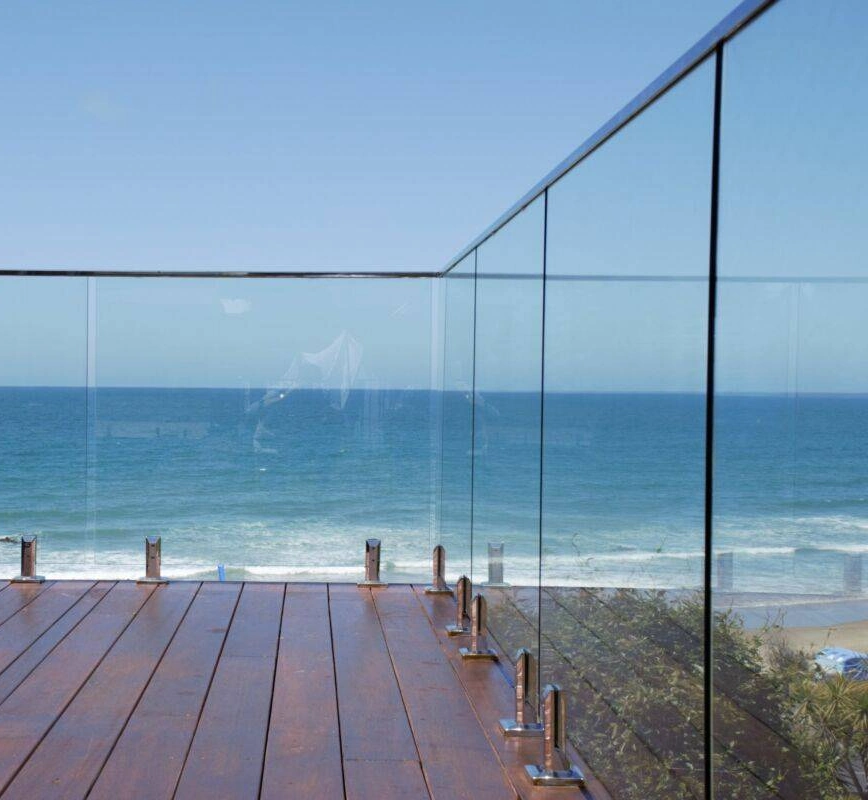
x,y
28,561
526,722
153,561
462,610
555,769
372,564
479,648
438,581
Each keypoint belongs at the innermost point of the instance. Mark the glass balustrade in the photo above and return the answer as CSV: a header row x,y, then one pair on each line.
x,y
633,412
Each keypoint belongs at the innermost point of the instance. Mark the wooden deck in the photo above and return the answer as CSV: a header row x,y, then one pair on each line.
x,y
255,690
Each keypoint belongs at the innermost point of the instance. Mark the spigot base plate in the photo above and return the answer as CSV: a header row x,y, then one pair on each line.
x,y
554,777
372,585
509,727
456,630
487,654
146,579
28,579
437,590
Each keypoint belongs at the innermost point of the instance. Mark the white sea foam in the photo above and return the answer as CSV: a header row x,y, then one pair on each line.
x,y
837,522
338,556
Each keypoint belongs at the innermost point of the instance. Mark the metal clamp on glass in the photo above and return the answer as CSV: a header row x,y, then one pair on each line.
x,y
372,564
478,632
28,561
495,566
153,561
526,722
555,769
438,581
462,599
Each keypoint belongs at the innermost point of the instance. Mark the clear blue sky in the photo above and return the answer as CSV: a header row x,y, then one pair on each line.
x,y
386,137
317,135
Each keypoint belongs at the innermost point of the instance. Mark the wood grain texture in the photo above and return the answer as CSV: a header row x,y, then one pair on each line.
x,y
490,694
303,756
30,658
379,780
236,691
457,758
380,756
24,628
30,711
226,755
68,760
17,595
374,723
151,751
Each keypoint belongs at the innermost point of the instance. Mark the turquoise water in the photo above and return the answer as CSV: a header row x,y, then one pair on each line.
x,y
288,485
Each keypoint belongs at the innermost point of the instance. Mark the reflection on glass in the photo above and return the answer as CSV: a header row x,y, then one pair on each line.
x,y
43,373
271,426
624,447
457,411
506,454
791,415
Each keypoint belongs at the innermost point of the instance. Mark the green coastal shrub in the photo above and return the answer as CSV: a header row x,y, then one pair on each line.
x,y
631,662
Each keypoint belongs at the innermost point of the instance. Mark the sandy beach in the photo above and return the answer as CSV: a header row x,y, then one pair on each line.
x,y
853,635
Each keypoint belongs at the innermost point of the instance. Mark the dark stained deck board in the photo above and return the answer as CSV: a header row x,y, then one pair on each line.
x,y
457,757
226,756
25,627
21,594
375,729
380,780
303,754
30,711
230,690
163,723
375,726
69,758
14,674
492,698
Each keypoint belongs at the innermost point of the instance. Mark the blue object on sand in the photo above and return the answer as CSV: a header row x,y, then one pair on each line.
x,y
842,661
221,572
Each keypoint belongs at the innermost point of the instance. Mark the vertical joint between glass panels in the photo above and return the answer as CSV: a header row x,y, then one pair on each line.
x,y
473,407
542,406
708,619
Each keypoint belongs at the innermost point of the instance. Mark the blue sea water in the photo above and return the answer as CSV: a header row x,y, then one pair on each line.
x,y
263,482
289,484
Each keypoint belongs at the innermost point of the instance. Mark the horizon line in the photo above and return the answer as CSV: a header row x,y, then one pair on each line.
x,y
536,392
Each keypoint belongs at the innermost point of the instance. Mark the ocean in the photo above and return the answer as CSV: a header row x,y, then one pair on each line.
x,y
289,484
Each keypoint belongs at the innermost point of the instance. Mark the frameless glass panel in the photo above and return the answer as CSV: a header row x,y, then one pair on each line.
x,y
791,414
507,427
457,412
624,447
43,374
267,425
